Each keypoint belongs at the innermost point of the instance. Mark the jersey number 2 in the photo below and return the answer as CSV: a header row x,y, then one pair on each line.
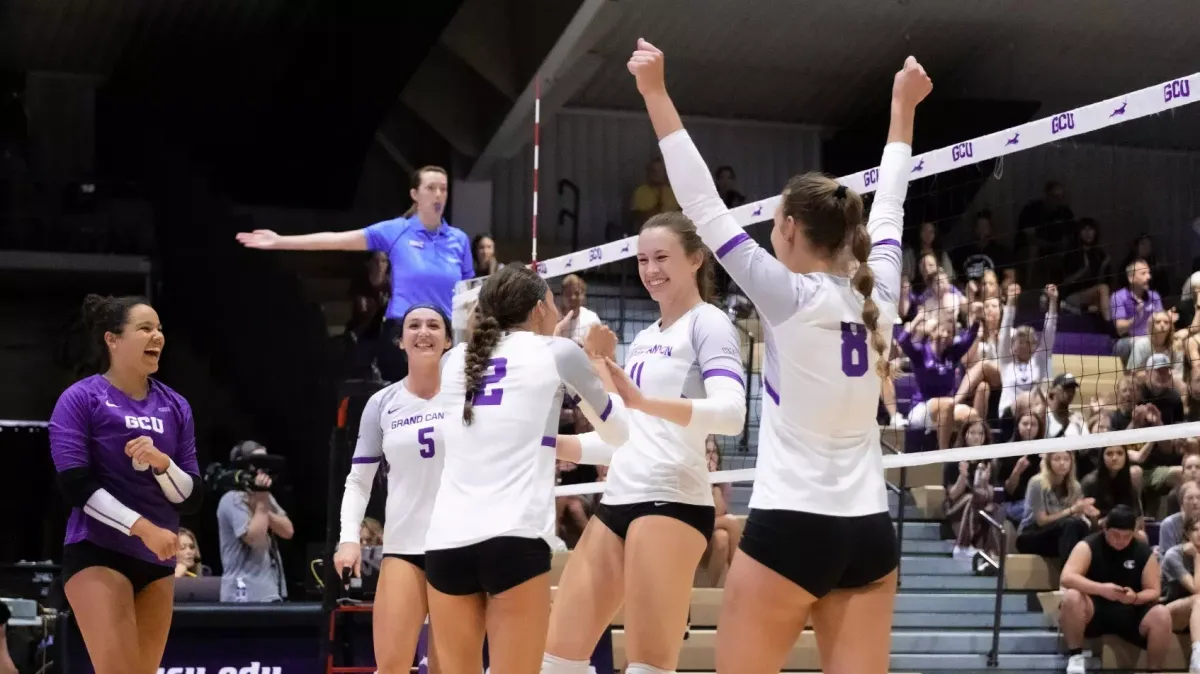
x,y
854,349
425,437
488,394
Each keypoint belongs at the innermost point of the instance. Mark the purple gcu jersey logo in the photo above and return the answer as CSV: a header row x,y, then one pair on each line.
x,y
144,424
871,177
962,151
1180,88
1063,122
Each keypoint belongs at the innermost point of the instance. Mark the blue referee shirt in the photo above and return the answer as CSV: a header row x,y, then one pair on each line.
x,y
425,265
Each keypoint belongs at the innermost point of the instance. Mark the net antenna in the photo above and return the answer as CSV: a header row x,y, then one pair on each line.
x,y
537,144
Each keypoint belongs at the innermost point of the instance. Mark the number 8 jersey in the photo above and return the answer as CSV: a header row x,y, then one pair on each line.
x,y
499,474
403,432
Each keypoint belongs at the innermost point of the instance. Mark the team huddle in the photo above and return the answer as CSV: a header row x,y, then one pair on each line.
x,y
469,439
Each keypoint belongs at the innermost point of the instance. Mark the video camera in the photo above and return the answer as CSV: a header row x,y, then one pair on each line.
x,y
242,470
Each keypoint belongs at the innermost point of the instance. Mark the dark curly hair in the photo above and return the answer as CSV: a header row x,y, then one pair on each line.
x,y
103,314
505,300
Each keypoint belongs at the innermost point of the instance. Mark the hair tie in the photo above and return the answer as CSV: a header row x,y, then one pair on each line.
x,y
840,192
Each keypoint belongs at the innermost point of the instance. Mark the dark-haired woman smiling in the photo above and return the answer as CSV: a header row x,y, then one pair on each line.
x,y
124,446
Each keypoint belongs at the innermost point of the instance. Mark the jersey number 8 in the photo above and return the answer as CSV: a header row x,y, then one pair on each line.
x,y
487,393
854,349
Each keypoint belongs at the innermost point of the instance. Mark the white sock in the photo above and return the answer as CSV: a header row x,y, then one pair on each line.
x,y
552,664
643,668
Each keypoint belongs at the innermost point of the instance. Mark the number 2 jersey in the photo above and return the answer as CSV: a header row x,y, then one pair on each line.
x,y
819,449
498,479
696,357
403,433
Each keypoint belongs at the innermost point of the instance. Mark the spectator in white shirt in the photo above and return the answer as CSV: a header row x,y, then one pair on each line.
x,y
577,318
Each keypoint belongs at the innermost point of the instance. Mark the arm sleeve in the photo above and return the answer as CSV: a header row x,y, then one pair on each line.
x,y
468,259
1172,565
718,352
1169,534
1118,308
887,220
593,450
605,411
963,341
105,508
1046,347
776,292
234,514
904,340
368,453
381,236
179,481
1035,504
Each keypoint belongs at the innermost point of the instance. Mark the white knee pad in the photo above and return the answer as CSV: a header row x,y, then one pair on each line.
x,y
643,668
552,664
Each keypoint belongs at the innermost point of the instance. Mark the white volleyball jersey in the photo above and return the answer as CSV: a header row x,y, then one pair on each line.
x,y
403,433
663,461
499,474
818,447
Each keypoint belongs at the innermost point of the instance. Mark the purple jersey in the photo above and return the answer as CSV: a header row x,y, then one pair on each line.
x,y
91,424
934,372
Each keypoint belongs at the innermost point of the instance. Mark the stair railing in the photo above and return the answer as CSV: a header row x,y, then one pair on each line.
x,y
744,444
993,658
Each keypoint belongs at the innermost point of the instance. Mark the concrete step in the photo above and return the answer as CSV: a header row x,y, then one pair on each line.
x,y
927,582
934,566
921,547
978,621
923,531
977,662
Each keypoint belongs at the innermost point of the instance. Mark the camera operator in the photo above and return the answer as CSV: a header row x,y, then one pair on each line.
x,y
249,522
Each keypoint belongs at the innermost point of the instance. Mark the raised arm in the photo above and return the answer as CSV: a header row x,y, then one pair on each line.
x,y
1049,333
265,239
605,411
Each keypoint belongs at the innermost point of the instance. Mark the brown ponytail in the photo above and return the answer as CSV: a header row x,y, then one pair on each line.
x,y
864,282
484,337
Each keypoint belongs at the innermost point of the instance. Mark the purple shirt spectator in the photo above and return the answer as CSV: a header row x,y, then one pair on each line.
x,y
934,372
1124,306
90,426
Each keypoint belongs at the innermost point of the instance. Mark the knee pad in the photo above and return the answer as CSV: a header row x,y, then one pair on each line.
x,y
643,668
552,664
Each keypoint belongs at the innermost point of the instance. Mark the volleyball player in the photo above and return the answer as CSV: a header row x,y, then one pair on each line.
x,y
124,447
682,381
820,473
487,553
402,425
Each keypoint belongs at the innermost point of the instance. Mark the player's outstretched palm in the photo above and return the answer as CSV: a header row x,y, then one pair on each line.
x,y
646,64
262,239
911,85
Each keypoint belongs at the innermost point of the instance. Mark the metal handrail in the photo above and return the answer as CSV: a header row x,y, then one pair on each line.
x,y
993,658
745,443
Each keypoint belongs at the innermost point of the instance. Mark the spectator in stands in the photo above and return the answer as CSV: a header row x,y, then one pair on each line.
x,y
726,181
1088,271
968,491
250,522
483,251
1160,461
1024,361
370,293
1127,400
6,664
1179,587
428,257
1014,473
187,557
926,244
1189,469
1061,421
935,353
1191,398
1111,585
1170,532
370,534
1057,515
727,531
982,360
577,319
983,254
1142,248
1112,484
653,196
1043,225
1157,341
1159,389
1131,307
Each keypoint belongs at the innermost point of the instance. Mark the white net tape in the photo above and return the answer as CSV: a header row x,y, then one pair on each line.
x,y
1087,119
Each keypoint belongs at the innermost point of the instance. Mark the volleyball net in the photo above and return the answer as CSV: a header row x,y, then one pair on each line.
x,y
1048,217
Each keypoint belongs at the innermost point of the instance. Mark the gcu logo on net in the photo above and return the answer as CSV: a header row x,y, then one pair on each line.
x,y
253,668
1063,122
1179,88
962,151
144,423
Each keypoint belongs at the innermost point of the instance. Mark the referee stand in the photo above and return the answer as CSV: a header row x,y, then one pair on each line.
x,y
352,396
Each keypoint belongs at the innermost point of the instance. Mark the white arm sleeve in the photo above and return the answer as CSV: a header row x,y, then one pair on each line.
x,y
887,221
368,453
105,508
176,485
606,412
775,291
718,353
593,451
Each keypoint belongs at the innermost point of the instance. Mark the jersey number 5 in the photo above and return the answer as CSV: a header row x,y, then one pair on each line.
x,y
854,349
488,394
425,437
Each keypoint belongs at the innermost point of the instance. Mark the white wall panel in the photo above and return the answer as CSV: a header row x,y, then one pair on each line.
x,y
605,154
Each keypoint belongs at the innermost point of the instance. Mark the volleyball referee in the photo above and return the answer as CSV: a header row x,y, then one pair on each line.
x,y
428,256
124,447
